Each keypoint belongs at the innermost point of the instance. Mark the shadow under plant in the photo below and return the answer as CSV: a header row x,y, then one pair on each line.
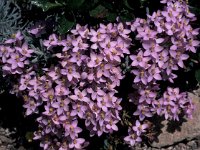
x,y
12,118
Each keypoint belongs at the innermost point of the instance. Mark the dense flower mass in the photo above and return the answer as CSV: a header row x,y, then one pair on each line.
x,y
82,84
166,38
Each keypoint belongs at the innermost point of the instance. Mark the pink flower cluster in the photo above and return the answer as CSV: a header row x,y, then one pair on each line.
x,y
166,38
82,84
15,55
135,133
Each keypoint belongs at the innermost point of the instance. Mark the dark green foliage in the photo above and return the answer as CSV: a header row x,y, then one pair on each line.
x,y
45,4
194,64
67,13
64,24
197,75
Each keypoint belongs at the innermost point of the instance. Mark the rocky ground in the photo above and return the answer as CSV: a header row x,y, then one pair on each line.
x,y
183,135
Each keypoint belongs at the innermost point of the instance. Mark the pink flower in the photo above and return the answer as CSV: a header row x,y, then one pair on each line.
x,y
15,37
52,41
37,29
72,129
139,128
140,60
79,44
132,138
16,61
76,143
192,44
24,50
112,125
95,60
80,96
70,72
61,105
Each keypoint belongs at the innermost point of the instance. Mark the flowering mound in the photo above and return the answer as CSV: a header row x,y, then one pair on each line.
x,y
80,83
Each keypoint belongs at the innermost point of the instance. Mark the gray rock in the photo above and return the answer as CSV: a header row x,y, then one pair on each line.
x,y
21,148
5,139
192,144
188,130
3,148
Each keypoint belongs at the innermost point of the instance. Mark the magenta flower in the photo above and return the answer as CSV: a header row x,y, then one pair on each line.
x,y
72,129
48,95
79,44
95,61
146,34
112,125
5,52
82,85
179,56
192,44
77,58
16,61
24,82
103,103
158,106
97,36
61,105
152,47
143,111
37,29
80,96
70,72
139,128
141,76
122,31
79,109
31,106
123,46
67,43
132,138
162,58
15,37
61,90
140,60
52,41
76,143
108,43
24,50
154,73
170,15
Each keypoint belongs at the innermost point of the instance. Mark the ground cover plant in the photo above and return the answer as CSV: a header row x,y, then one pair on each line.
x,y
101,70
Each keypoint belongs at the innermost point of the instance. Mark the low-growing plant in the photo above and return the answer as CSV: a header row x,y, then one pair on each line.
x,y
71,81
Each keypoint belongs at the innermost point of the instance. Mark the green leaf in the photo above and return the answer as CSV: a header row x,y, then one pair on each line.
x,y
99,12
111,17
74,4
45,5
88,5
142,2
197,75
61,1
64,25
29,136
126,17
107,5
126,3
106,142
35,60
